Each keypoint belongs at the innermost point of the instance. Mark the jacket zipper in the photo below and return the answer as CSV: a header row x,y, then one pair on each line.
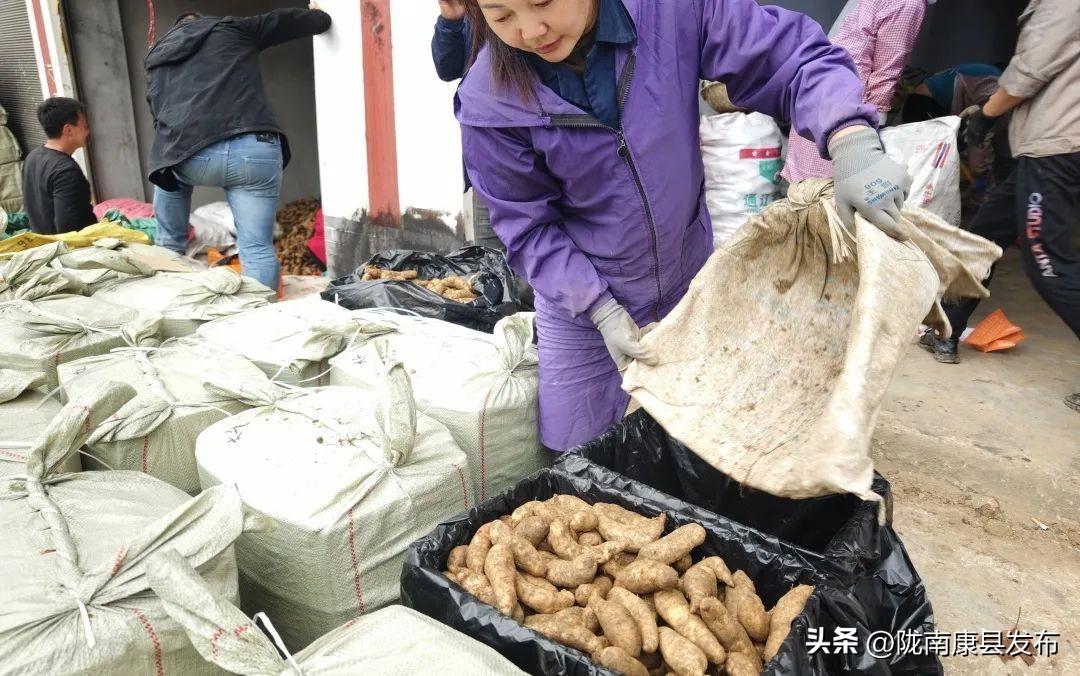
x,y
588,121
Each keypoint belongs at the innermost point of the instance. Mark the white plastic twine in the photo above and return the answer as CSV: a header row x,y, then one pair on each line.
x,y
261,617
91,640
806,194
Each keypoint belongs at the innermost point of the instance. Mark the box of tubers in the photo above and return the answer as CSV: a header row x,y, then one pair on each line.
x,y
587,572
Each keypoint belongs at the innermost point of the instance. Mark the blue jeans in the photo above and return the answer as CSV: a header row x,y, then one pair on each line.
x,y
248,167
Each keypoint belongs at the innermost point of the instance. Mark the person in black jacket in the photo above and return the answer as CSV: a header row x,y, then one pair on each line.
x,y
213,126
56,194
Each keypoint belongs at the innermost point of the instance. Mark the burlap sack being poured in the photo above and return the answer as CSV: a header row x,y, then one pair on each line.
x,y
774,365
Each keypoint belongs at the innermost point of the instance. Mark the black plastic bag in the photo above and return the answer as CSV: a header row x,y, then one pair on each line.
x,y
775,566
842,527
485,268
838,533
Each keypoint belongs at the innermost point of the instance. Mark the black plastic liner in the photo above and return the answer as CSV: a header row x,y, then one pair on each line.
x,y
842,527
485,268
774,565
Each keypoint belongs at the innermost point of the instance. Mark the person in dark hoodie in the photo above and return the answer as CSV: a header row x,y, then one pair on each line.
x,y
214,127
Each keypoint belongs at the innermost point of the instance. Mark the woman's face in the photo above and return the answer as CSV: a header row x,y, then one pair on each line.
x,y
548,28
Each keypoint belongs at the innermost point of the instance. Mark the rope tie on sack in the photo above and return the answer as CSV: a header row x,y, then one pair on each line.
x,y
804,196
261,617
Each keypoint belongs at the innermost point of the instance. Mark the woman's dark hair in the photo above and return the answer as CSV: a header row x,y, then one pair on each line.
x,y
509,67
55,113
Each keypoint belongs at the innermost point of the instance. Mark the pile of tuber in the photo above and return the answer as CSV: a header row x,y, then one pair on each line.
x,y
609,582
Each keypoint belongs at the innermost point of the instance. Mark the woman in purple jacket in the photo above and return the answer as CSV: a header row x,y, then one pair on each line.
x,y
579,127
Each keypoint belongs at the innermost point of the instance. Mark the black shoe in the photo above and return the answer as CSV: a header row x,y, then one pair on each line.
x,y
1073,402
943,349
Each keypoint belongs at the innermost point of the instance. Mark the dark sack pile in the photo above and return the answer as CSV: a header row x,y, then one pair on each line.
x,y
485,268
774,565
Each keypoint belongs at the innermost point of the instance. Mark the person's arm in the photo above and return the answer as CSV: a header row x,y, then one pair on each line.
x,y
1047,45
450,43
282,25
522,198
71,201
896,35
780,63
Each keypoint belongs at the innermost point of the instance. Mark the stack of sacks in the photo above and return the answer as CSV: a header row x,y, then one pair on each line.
x,y
290,341
109,260
76,597
189,299
156,431
38,337
394,640
483,387
347,480
27,275
24,414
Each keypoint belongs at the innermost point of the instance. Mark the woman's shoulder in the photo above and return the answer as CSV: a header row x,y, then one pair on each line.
x,y
481,102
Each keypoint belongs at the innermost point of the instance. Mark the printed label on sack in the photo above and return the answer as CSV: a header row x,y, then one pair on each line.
x,y
759,153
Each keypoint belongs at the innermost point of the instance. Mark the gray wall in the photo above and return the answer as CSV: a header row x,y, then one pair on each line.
x,y
288,72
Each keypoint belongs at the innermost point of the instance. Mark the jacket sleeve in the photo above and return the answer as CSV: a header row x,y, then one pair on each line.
x,y
896,35
781,63
71,201
1049,42
522,197
282,25
449,49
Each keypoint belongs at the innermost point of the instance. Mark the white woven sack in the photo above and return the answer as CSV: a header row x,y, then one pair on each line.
x,y
188,299
483,387
394,640
347,480
38,337
24,415
930,153
155,432
109,260
290,341
773,366
27,275
741,153
76,597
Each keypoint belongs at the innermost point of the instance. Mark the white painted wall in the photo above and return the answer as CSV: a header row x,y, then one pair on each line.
x,y
428,136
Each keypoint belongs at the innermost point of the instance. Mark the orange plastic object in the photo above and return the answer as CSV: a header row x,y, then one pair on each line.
x,y
216,259
995,333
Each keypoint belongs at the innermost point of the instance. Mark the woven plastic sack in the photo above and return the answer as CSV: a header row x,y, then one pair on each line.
x,y
347,479
155,432
741,153
39,337
187,300
28,276
773,366
24,414
290,341
76,548
74,240
929,151
109,260
394,640
482,386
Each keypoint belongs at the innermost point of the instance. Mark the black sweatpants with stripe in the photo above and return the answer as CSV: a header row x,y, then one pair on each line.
x,y
1038,206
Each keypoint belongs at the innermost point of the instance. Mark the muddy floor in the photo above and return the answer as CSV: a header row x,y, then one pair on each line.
x,y
984,459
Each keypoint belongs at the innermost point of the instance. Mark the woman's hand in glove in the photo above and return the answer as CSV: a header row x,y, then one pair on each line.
x,y
622,337
867,181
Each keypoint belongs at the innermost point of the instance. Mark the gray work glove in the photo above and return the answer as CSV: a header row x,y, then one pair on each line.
x,y
622,337
868,182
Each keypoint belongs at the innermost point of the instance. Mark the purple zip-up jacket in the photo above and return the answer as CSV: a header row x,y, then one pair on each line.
x,y
588,213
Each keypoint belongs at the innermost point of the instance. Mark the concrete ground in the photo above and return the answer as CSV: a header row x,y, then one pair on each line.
x,y
984,460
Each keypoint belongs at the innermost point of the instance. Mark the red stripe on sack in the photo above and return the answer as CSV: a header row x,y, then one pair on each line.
x,y
241,629
11,454
153,639
464,490
759,153
483,448
146,454
87,426
116,562
218,633
355,563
